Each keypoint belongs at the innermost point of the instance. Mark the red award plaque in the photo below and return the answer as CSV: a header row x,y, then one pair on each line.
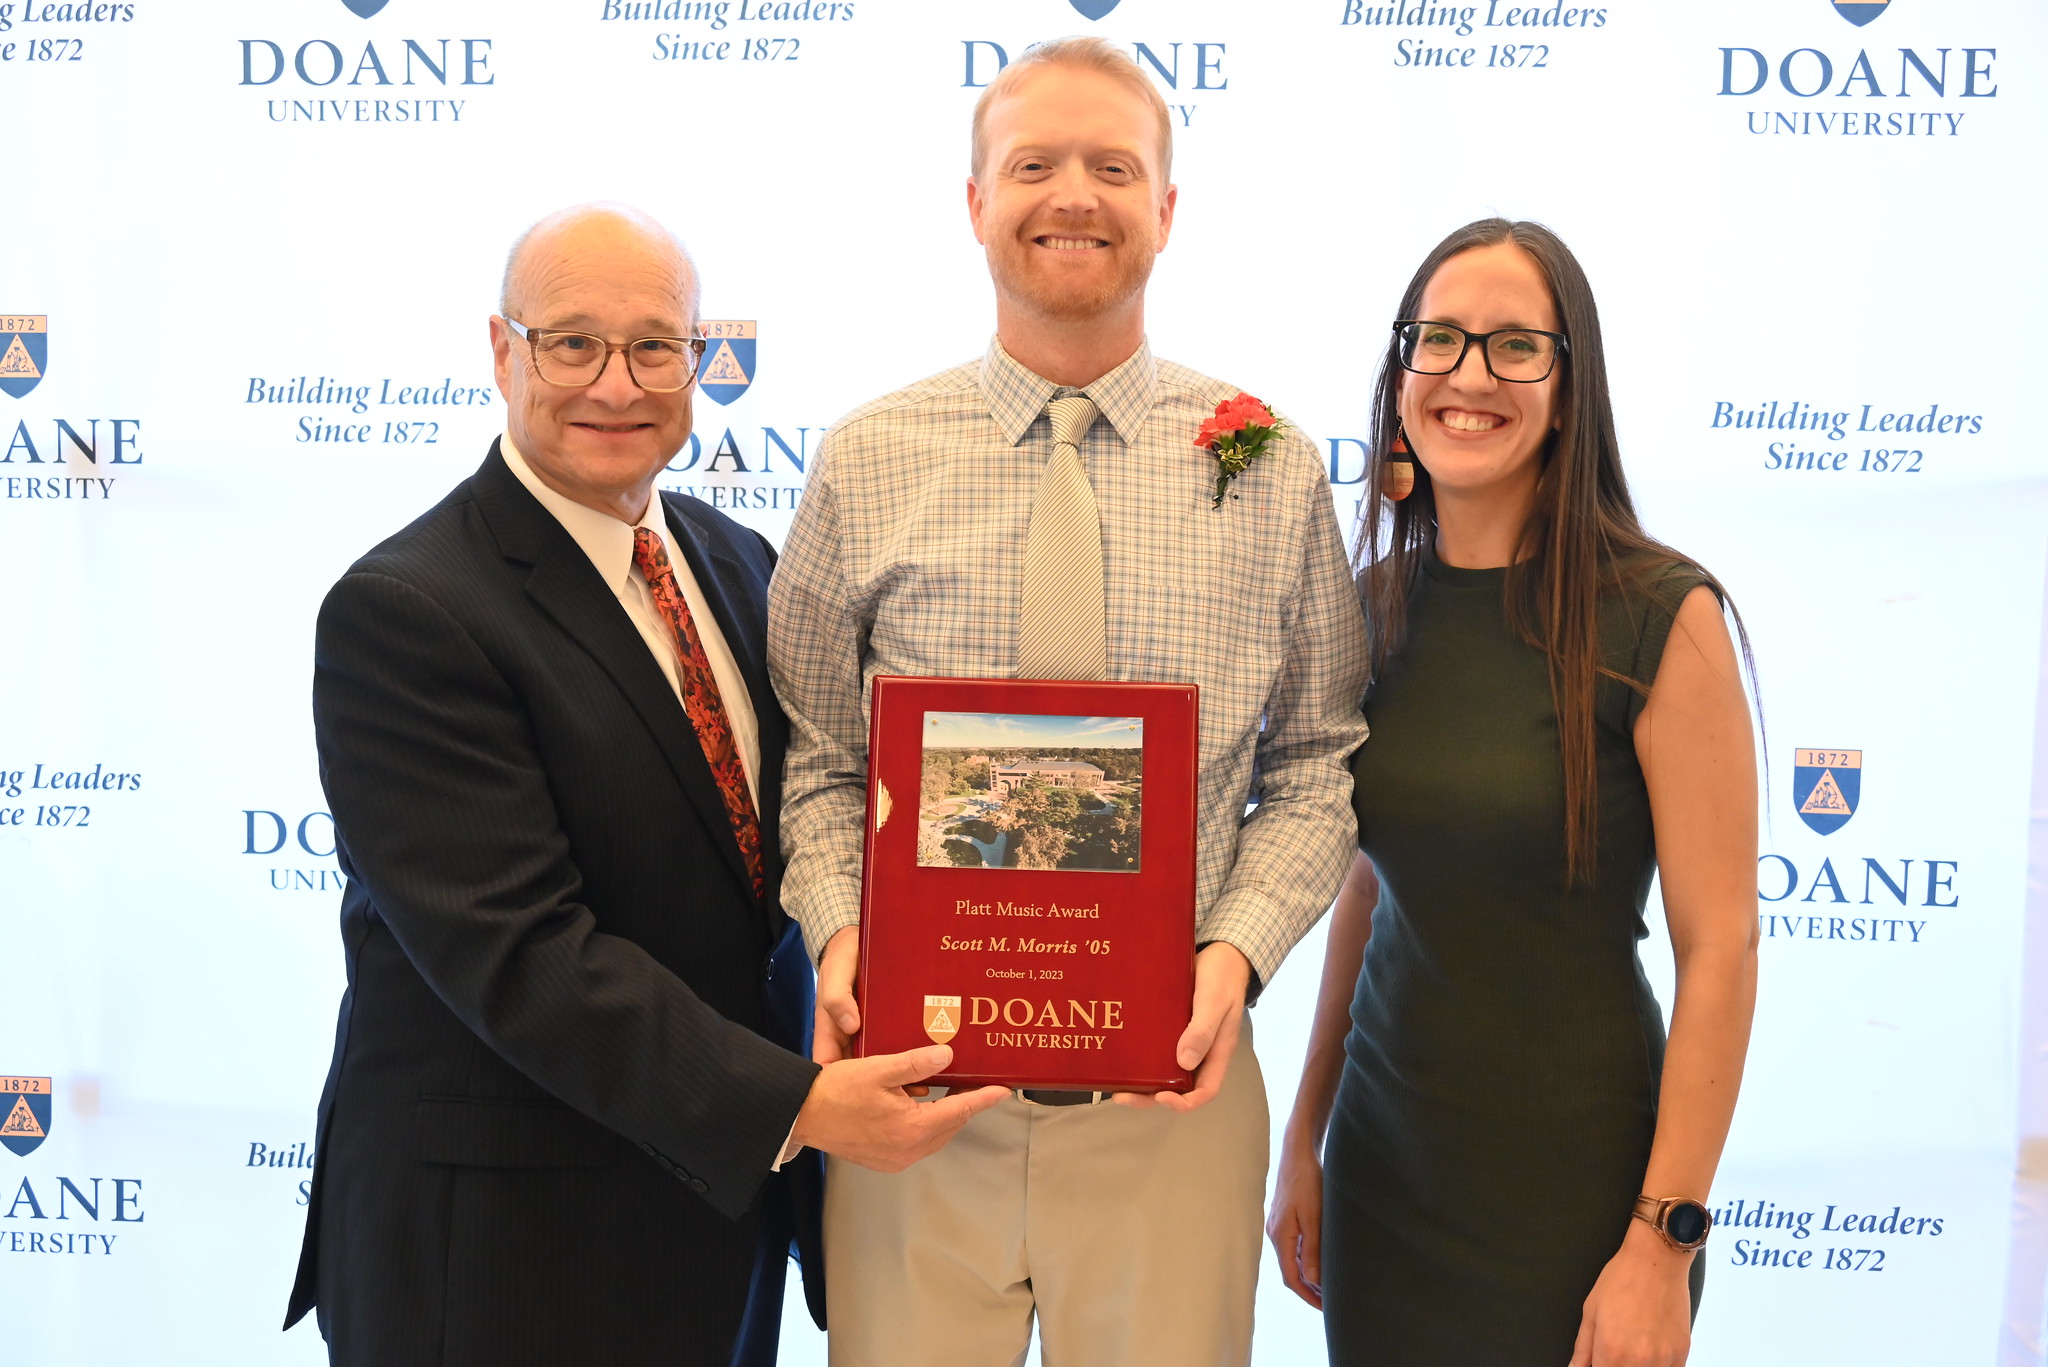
x,y
1029,890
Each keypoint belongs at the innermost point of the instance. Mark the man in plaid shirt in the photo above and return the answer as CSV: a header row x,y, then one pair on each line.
x,y
1130,1231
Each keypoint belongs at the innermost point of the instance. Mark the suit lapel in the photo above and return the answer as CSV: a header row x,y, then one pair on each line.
x,y
568,588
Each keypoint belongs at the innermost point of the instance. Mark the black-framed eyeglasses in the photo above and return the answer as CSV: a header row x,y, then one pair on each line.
x,y
1517,355
659,365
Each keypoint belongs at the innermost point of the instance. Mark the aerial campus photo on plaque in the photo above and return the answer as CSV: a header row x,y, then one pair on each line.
x,y
1008,790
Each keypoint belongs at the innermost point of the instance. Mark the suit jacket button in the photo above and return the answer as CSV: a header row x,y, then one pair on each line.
x,y
699,1185
769,973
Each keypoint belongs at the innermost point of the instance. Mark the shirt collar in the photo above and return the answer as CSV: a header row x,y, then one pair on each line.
x,y
1016,395
606,540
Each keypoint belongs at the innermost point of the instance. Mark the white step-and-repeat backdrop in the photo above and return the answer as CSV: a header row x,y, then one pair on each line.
x,y
246,254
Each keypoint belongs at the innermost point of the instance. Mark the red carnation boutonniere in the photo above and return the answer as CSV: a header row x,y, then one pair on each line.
x,y
1237,435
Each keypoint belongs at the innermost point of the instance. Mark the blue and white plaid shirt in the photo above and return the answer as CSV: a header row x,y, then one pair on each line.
x,y
907,556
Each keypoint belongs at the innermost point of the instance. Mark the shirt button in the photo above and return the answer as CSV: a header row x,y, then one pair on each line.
x,y
699,1185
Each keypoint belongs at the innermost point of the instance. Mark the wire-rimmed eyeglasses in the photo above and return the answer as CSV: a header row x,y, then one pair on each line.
x,y
659,365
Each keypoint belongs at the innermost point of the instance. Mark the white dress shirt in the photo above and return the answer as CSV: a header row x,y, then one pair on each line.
x,y
609,544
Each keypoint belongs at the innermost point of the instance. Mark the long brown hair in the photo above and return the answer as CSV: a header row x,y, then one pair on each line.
x,y
1582,537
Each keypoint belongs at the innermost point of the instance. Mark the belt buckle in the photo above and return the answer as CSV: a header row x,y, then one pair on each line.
x,y
1047,1096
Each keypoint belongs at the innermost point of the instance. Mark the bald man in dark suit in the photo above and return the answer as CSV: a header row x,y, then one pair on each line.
x,y
570,1115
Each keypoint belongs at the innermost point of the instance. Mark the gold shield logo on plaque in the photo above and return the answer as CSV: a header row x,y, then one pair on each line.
x,y
941,1018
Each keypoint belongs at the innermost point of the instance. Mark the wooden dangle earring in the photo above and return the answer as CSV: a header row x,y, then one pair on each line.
x,y
1397,476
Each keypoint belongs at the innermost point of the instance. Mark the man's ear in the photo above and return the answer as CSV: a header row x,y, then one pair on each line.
x,y
501,357
974,208
1166,216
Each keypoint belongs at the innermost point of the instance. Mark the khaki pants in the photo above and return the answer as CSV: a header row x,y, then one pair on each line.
x,y
1134,1236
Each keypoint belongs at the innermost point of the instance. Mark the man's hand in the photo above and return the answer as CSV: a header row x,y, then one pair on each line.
x,y
838,1015
1221,975
859,1109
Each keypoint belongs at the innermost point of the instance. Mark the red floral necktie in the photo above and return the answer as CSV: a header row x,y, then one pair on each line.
x,y
701,701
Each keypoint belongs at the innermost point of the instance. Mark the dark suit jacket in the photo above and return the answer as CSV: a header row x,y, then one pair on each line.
x,y
573,1041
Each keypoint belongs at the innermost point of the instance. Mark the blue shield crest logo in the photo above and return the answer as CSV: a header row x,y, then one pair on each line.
x,y
1826,786
24,1113
728,365
24,351
1094,9
1860,12
363,9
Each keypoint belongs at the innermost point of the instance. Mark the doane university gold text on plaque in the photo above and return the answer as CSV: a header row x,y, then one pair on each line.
x,y
1022,1005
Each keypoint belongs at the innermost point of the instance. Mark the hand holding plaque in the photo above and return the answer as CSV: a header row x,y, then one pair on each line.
x,y
1206,1047
1028,893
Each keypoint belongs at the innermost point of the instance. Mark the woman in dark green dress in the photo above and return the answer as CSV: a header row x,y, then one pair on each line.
x,y
1495,1159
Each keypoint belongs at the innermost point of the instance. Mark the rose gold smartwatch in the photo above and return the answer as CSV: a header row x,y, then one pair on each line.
x,y
1679,1221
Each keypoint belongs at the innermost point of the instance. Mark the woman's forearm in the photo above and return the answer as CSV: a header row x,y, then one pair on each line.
x,y
1710,1024
1350,928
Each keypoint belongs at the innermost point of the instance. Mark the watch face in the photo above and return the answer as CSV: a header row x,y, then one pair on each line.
x,y
1686,1222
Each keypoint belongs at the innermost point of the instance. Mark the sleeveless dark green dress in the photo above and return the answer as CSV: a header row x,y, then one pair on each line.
x,y
1499,1091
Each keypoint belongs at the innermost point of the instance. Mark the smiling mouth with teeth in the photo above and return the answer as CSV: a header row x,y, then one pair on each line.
x,y
1070,244
1459,421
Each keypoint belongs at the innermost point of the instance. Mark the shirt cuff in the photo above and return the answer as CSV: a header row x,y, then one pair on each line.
x,y
1250,923
790,1149
821,921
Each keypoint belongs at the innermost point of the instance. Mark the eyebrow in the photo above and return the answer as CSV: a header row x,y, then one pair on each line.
x,y
1450,321
1124,154
648,325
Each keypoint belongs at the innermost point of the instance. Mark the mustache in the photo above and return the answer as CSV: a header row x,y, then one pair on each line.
x,y
1061,226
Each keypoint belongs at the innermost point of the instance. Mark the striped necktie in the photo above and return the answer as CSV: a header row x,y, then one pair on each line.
x,y
1060,618
701,701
